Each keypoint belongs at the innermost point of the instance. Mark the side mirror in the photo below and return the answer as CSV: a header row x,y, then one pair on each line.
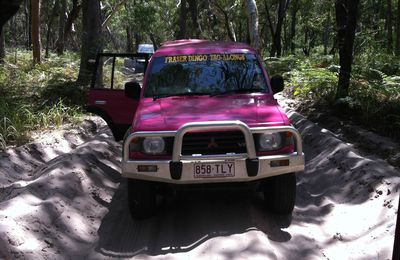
x,y
277,84
132,89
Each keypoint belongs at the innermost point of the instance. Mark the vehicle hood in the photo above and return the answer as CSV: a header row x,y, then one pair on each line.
x,y
172,112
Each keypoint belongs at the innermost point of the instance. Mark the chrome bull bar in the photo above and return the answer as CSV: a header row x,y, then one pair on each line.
x,y
253,167
209,126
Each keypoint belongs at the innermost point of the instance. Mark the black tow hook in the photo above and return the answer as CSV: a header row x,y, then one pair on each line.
x,y
175,168
252,167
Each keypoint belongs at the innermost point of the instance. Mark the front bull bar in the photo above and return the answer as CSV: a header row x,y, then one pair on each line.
x,y
175,165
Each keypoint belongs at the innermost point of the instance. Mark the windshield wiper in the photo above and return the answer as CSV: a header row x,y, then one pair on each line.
x,y
237,91
180,94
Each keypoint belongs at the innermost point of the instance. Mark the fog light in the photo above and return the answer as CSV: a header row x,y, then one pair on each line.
x,y
147,168
279,163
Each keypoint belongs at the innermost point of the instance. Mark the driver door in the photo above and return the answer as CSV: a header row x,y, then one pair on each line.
x,y
107,96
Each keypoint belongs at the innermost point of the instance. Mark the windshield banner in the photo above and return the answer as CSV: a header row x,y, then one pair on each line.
x,y
205,57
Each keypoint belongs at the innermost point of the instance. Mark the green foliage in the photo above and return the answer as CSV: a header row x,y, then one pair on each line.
x,y
377,103
307,78
315,84
374,96
375,89
37,97
278,66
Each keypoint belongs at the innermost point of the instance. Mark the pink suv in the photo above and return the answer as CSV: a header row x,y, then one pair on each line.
x,y
204,115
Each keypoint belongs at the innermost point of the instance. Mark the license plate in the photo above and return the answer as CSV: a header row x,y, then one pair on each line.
x,y
214,170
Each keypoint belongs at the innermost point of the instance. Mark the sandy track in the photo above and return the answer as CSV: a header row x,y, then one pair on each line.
x,y
69,203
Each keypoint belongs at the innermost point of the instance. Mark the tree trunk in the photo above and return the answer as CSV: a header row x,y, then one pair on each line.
x,y
398,29
72,16
210,18
295,9
129,40
112,38
28,26
2,46
228,24
269,21
195,22
154,41
305,49
241,31
61,25
334,46
229,27
182,21
138,40
286,39
346,21
326,32
252,17
49,25
91,39
36,45
389,25
277,41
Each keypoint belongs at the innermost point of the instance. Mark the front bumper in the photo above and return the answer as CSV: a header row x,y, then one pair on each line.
x,y
248,167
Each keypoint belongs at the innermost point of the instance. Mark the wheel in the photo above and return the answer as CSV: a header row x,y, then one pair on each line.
x,y
280,193
141,198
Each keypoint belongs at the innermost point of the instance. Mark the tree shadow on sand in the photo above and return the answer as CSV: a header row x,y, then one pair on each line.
x,y
186,221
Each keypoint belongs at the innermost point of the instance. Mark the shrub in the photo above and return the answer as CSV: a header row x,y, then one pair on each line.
x,y
39,96
314,84
275,66
374,93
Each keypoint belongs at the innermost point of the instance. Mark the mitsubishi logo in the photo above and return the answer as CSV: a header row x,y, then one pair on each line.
x,y
212,143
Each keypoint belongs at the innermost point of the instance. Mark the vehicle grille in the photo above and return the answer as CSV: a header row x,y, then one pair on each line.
x,y
207,143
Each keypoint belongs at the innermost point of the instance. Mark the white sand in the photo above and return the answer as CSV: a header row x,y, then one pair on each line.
x,y
60,197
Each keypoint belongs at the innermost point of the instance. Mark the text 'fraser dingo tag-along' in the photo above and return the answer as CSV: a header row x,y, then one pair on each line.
x,y
205,57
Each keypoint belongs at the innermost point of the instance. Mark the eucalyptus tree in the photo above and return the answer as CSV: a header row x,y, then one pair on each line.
x,y
61,25
397,48
91,39
36,42
346,21
252,15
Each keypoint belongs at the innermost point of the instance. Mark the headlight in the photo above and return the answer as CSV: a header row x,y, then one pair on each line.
x,y
269,142
153,145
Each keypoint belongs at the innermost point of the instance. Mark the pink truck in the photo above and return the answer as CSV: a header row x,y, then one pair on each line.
x,y
204,115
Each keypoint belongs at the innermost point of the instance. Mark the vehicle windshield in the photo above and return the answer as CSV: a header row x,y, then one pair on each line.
x,y
208,74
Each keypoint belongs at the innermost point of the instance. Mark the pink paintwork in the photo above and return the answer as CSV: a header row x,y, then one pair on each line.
x,y
186,47
114,103
170,113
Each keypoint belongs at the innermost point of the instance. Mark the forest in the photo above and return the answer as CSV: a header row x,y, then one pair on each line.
x,y
68,188
340,56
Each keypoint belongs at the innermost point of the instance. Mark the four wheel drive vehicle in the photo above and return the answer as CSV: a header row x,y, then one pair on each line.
x,y
206,116
145,48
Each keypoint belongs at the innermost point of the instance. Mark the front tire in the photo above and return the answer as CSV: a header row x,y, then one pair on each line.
x,y
141,198
280,193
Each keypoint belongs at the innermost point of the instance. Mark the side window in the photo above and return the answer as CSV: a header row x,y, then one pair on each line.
x,y
114,72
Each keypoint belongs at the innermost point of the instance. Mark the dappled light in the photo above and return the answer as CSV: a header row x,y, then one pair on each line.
x,y
74,204
55,208
194,224
198,129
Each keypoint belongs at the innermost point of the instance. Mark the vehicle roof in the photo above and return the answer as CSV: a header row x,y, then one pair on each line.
x,y
195,46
